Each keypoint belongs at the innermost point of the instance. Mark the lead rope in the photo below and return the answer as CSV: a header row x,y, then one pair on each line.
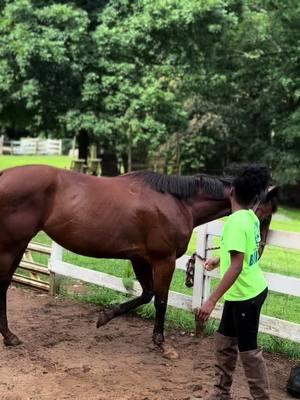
x,y
190,267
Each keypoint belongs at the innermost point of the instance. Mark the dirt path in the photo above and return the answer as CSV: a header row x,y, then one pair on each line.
x,y
65,357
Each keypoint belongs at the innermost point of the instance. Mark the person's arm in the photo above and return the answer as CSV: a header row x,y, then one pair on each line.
x,y
227,281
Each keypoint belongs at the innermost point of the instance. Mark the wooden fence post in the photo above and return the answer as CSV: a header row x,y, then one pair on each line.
x,y
54,279
199,275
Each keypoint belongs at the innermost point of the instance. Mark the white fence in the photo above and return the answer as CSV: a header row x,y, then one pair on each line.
x,y
1,144
33,146
205,238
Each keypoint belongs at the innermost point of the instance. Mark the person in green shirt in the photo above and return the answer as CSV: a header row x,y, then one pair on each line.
x,y
243,286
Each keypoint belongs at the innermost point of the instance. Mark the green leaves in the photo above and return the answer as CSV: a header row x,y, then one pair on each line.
x,y
202,82
42,56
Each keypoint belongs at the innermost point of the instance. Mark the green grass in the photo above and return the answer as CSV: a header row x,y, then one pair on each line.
x,y
55,161
292,223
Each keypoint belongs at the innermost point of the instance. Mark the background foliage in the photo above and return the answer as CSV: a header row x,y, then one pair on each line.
x,y
198,85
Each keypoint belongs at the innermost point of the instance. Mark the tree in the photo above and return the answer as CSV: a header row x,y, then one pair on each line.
x,y
42,61
209,82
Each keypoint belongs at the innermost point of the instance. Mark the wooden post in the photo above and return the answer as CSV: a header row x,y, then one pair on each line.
x,y
199,275
73,147
54,280
60,147
27,256
94,167
93,152
78,165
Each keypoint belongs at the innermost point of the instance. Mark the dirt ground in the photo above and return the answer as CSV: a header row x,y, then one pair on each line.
x,y
64,356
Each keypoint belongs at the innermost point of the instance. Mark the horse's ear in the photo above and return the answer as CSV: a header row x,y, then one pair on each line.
x,y
273,195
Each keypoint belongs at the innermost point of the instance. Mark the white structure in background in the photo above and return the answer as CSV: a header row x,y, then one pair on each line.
x,y
1,144
36,146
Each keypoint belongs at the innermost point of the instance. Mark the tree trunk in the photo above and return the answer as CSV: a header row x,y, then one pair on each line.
x,y
125,161
83,144
178,155
109,163
129,163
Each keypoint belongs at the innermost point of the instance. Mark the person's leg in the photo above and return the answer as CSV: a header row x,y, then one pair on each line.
x,y
247,321
226,355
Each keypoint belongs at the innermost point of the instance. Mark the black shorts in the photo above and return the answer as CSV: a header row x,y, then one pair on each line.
x,y
241,319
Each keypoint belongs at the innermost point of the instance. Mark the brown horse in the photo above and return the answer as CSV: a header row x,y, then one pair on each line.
x,y
145,217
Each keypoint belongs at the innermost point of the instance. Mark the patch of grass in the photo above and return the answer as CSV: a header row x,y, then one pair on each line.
x,y
278,305
14,161
290,221
281,261
274,344
192,244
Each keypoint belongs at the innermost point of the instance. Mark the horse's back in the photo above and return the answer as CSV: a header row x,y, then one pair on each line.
x,y
27,178
104,217
97,216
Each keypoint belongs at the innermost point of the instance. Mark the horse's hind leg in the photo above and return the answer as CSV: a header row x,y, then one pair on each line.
x,y
8,264
143,273
162,276
9,339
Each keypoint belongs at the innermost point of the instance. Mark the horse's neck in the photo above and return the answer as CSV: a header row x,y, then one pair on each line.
x,y
204,210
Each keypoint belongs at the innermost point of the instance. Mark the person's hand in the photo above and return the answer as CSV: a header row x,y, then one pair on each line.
x,y
211,263
206,310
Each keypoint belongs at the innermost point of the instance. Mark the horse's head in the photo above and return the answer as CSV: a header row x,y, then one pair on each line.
x,y
268,204
266,208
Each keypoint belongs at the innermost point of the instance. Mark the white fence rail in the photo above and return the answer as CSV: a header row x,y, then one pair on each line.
x,y
202,279
276,282
33,146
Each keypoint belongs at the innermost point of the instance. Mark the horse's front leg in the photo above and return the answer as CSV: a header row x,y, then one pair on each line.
x,y
162,276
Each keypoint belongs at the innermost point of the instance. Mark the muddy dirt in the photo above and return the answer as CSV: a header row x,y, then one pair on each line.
x,y
65,357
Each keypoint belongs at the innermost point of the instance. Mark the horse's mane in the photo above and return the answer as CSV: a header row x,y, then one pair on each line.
x,y
184,186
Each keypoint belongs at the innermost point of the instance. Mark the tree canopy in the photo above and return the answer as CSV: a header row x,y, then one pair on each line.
x,y
199,84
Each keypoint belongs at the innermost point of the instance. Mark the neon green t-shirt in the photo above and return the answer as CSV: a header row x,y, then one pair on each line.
x,y
241,233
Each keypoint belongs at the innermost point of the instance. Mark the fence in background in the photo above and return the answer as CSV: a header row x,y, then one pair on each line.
x,y
276,282
31,273
206,235
36,146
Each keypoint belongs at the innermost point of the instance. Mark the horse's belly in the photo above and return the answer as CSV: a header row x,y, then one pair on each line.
x,y
103,242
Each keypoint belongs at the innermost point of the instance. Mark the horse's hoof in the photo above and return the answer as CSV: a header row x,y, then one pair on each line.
x,y
12,340
169,352
158,339
104,317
